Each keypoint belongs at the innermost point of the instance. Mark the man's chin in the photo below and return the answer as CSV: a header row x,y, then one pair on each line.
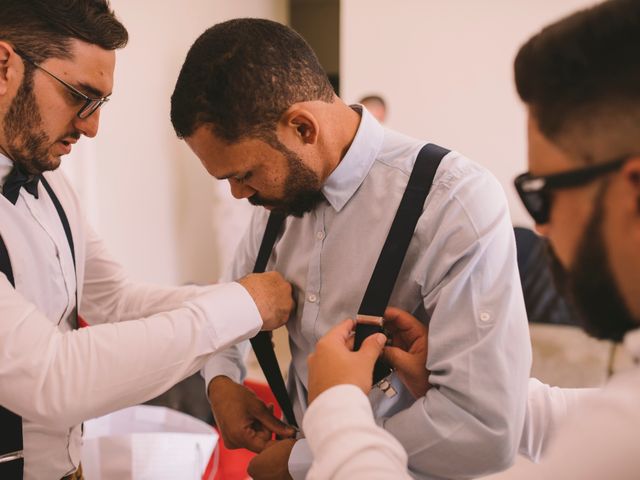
x,y
52,163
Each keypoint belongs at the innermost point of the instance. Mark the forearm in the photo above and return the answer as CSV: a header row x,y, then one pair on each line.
x,y
87,373
547,407
345,441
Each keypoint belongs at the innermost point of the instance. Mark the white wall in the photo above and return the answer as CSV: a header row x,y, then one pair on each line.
x,y
146,193
445,68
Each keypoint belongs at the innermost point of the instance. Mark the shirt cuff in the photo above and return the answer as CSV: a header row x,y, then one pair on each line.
x,y
231,313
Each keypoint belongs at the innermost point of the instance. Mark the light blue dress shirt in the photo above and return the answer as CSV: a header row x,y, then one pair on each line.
x,y
459,276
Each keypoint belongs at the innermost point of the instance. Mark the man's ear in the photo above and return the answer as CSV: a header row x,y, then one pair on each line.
x,y
300,123
7,58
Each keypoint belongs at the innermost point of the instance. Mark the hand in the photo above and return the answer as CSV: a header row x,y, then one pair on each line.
x,y
408,351
273,462
243,419
272,295
334,362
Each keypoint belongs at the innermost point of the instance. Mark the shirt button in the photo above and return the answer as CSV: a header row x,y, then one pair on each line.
x,y
485,316
312,298
320,235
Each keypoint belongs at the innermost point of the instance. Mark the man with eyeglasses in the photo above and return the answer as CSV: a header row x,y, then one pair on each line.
x,y
56,70
579,79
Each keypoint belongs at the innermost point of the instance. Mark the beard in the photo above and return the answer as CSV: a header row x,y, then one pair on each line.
x,y
27,144
302,188
591,286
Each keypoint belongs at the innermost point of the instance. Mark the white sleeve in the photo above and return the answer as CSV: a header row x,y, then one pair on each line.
x,y
61,379
547,407
346,442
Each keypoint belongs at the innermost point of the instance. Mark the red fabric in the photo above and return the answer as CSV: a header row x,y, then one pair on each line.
x,y
233,464
81,322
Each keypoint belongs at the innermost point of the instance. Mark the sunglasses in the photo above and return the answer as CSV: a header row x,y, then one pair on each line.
x,y
536,192
89,106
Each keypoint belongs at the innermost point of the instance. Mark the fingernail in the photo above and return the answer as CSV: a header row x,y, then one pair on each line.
x,y
381,339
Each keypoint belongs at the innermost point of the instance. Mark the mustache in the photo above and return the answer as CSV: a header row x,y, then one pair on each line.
x,y
74,135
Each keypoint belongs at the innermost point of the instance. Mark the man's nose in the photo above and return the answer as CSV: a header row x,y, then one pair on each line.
x,y
88,126
240,190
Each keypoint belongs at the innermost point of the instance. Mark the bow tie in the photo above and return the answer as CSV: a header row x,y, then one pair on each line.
x,y
18,179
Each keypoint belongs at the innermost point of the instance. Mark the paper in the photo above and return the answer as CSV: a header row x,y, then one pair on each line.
x,y
146,443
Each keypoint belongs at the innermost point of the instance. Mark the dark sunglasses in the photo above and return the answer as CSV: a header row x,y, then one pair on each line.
x,y
90,104
536,191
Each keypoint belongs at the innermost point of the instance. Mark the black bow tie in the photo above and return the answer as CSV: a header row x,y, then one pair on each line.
x,y
18,179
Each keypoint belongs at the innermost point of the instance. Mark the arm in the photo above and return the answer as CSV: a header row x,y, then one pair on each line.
x,y
345,441
479,350
341,432
547,407
61,379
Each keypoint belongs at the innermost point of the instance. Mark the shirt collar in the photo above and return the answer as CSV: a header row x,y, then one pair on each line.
x,y
355,165
632,343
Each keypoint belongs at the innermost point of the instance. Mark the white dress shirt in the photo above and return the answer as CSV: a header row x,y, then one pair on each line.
x,y
459,275
54,377
597,440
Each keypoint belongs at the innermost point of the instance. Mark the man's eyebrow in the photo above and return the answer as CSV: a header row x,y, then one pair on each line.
x,y
91,91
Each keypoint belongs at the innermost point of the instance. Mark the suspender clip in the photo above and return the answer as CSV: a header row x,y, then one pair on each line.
x,y
10,457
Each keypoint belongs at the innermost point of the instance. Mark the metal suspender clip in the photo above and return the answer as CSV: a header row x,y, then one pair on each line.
x,y
386,387
374,324
10,457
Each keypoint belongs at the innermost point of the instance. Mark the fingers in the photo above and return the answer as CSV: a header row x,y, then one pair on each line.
x,y
402,323
258,438
271,423
397,358
372,346
341,331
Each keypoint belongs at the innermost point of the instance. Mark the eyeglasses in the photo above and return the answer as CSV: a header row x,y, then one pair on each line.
x,y
90,104
536,191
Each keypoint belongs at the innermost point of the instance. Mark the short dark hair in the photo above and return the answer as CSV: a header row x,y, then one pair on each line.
x,y
240,76
44,28
581,79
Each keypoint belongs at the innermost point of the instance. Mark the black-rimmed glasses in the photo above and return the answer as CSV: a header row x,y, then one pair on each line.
x,y
90,104
536,191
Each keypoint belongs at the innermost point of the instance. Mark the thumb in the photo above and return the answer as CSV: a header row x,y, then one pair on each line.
x,y
396,357
372,346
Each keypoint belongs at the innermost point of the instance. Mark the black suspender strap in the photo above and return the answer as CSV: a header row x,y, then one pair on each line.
x,y
63,218
67,232
5,263
11,461
261,343
386,271
11,455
